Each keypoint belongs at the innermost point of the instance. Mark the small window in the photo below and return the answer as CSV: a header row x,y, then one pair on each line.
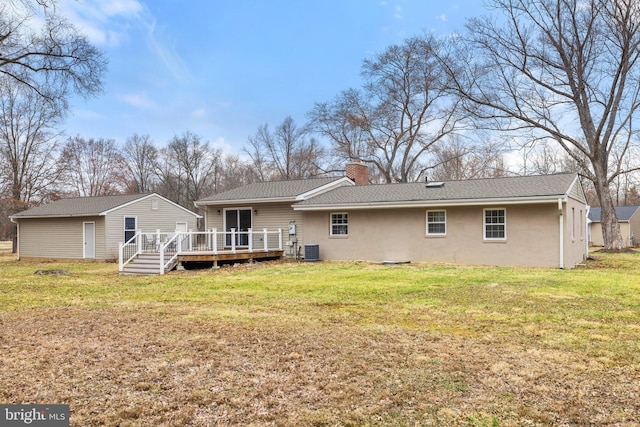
x,y
339,224
154,204
129,227
573,223
581,225
436,223
495,224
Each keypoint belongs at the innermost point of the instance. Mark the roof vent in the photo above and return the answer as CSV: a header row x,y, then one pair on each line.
x,y
434,184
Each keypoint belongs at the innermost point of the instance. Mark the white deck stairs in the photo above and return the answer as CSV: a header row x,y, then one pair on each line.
x,y
145,264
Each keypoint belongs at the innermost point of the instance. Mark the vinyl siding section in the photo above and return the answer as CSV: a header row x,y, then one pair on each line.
x,y
595,233
148,220
58,237
272,216
577,192
634,224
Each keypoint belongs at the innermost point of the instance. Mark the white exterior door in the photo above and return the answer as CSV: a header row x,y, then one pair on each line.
x,y
89,240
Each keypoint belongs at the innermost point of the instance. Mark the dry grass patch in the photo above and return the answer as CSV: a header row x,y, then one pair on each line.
x,y
326,344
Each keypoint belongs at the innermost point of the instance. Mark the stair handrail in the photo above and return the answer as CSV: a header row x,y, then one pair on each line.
x,y
163,246
135,240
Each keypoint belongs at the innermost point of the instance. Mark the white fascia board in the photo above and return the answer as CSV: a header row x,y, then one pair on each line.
x,y
324,188
55,216
146,197
235,202
432,203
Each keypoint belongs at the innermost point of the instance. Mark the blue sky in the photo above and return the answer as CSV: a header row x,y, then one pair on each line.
x,y
220,69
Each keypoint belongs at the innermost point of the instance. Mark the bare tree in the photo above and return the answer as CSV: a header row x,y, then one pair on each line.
x,y
286,153
456,159
187,169
92,167
234,172
141,158
561,69
44,53
402,110
28,144
257,152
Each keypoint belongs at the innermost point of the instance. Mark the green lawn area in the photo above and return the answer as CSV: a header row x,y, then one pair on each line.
x,y
326,344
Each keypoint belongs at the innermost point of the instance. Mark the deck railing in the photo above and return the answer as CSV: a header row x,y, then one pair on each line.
x,y
171,245
129,250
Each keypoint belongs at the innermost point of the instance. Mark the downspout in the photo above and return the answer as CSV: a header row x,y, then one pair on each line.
x,y
586,233
561,222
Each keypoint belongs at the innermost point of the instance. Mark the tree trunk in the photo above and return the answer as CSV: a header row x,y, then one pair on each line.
x,y
608,219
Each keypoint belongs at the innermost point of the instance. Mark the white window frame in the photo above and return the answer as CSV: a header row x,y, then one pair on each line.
x,y
484,225
228,230
344,215
124,225
444,211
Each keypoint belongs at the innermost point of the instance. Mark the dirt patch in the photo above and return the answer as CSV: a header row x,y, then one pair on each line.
x,y
129,368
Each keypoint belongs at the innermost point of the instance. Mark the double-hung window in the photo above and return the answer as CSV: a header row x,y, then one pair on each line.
x,y
339,224
495,224
129,227
436,223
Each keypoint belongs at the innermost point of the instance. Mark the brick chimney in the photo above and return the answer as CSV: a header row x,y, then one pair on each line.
x,y
357,172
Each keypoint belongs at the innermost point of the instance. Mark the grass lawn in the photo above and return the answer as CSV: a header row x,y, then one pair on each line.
x,y
326,344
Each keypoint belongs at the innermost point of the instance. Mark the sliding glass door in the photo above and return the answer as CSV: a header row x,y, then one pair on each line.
x,y
240,220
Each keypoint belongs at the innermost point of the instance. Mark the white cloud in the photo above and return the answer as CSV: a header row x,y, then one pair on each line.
x,y
111,22
398,14
121,7
167,52
443,17
104,22
224,146
199,113
137,100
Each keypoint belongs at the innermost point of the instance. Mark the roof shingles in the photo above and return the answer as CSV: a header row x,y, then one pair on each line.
x,y
476,189
270,190
79,206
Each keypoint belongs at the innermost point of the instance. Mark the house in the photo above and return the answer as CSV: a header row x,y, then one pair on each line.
x,y
93,227
628,218
527,221
266,205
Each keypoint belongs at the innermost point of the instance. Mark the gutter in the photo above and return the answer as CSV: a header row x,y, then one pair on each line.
x,y
425,203
237,202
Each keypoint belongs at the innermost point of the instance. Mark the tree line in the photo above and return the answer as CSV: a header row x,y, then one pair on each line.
x,y
537,86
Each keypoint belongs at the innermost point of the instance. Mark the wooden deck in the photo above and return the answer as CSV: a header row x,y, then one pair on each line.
x,y
228,256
